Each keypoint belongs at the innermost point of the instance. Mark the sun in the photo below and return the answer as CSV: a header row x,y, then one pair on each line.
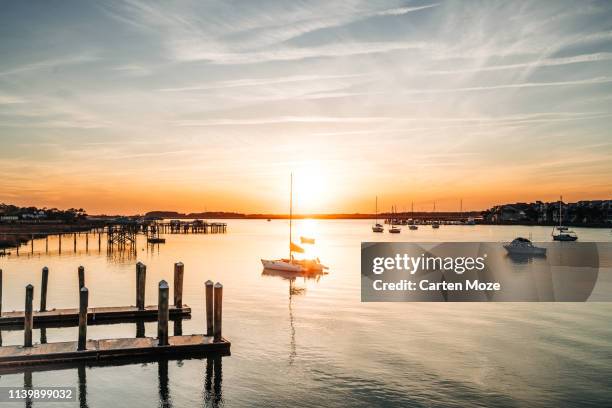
x,y
310,188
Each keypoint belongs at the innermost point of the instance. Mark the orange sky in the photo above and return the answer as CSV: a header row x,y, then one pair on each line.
x,y
138,106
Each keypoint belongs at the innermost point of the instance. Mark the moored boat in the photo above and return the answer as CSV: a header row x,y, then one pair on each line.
x,y
291,264
523,246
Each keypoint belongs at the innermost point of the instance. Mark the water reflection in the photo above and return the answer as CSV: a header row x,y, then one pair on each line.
x,y
82,386
164,389
294,290
212,394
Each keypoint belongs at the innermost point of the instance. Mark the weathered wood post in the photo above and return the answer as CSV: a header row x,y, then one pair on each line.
x,y
87,241
162,318
141,278
28,322
218,311
43,289
179,269
75,242
0,292
209,307
81,277
59,243
32,243
83,305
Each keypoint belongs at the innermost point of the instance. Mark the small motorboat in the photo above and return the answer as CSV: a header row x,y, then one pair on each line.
x,y
523,246
435,224
413,227
306,240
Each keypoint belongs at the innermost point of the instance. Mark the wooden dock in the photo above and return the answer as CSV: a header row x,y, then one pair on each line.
x,y
139,347
70,317
63,352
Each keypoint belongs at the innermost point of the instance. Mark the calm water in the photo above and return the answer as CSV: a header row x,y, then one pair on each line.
x,y
321,346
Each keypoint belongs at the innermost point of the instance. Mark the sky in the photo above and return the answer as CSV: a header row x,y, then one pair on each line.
x,y
132,106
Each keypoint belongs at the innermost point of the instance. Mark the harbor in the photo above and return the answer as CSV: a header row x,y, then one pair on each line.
x,y
299,320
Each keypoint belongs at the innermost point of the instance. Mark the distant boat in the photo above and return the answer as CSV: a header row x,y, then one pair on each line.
x,y
470,221
561,233
269,220
291,264
377,227
156,240
435,224
306,240
411,221
394,229
523,246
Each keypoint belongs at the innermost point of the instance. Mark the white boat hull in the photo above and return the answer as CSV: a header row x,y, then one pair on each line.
x,y
299,266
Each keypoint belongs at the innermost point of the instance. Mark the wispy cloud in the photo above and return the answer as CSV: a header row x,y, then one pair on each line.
x,y
404,10
191,52
50,63
249,82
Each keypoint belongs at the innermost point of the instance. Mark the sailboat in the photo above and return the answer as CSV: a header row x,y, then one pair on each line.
x,y
412,223
393,229
435,224
291,264
377,227
562,233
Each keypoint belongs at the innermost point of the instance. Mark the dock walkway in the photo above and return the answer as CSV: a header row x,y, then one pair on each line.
x,y
94,315
63,352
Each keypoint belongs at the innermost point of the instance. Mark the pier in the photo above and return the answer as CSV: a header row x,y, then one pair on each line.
x,y
118,235
98,315
163,346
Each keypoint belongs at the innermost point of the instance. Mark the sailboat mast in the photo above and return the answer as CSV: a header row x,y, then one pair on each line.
x,y
290,212
376,209
560,211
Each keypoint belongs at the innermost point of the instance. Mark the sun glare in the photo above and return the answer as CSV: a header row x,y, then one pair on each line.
x,y
310,189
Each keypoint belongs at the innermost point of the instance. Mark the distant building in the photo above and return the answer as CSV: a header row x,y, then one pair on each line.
x,y
581,212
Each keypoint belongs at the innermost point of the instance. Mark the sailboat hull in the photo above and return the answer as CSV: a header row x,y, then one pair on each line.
x,y
299,266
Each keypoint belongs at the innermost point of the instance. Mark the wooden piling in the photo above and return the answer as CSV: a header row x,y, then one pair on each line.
x,y
43,289
0,292
74,242
87,241
81,277
179,269
60,243
83,305
209,307
46,243
141,277
162,319
29,317
218,311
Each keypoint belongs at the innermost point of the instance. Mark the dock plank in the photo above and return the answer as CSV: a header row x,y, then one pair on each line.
x,y
95,314
108,349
